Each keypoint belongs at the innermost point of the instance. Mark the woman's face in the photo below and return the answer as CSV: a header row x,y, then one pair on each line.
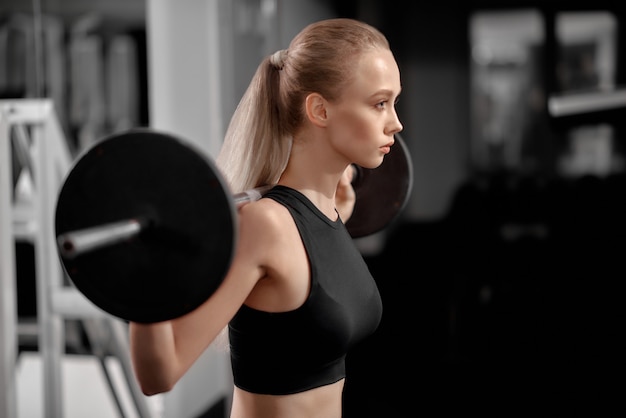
x,y
363,121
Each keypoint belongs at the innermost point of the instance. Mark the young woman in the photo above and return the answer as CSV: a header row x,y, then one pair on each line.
x,y
298,294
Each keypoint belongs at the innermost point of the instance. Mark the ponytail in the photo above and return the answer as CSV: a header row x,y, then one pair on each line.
x,y
256,147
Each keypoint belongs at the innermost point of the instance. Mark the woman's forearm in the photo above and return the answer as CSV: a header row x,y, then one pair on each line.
x,y
153,353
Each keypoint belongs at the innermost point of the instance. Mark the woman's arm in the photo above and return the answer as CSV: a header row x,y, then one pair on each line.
x,y
163,352
153,353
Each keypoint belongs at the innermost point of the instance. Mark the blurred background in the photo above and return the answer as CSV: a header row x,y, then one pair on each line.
x,y
500,278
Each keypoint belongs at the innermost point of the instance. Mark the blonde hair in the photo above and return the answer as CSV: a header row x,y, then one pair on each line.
x,y
319,59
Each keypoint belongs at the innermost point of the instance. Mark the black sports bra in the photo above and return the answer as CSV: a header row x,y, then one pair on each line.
x,y
289,352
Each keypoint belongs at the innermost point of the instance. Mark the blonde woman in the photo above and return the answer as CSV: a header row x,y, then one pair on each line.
x,y
298,294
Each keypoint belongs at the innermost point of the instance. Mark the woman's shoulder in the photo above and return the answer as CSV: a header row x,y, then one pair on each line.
x,y
264,216
268,235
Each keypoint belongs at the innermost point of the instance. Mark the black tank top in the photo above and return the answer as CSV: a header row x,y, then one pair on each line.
x,y
289,352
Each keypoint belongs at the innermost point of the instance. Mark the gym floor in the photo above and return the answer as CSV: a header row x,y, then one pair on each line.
x,y
86,392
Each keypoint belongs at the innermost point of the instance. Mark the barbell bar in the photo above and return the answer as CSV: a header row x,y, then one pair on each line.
x,y
146,227
74,243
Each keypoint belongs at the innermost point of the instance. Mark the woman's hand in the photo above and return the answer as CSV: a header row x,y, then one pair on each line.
x,y
345,197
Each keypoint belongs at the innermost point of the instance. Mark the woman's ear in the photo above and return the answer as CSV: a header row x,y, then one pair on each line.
x,y
315,107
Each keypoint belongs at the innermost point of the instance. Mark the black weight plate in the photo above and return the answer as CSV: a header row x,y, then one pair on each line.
x,y
381,192
172,266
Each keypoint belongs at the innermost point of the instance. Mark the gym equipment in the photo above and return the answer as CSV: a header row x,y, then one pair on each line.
x,y
382,192
162,187
146,228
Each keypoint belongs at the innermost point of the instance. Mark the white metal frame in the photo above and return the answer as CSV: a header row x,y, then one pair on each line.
x,y
32,219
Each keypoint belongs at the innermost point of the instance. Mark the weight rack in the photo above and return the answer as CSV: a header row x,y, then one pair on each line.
x,y
30,131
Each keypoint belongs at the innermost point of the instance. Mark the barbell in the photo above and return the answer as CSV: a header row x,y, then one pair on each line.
x,y
146,225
